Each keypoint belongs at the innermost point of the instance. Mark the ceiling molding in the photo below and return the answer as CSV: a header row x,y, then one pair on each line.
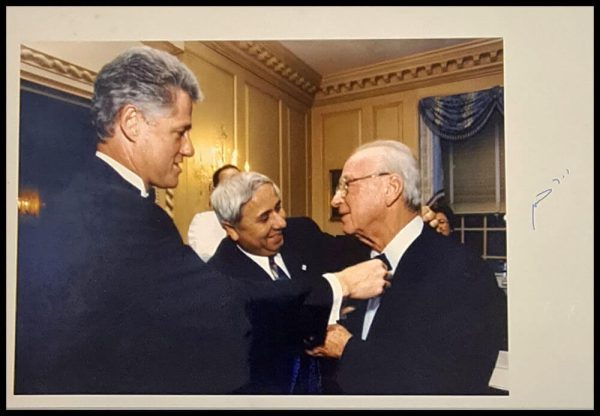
x,y
274,63
166,46
56,73
467,60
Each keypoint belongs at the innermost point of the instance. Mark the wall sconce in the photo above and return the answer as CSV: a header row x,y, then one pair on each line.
x,y
219,154
29,203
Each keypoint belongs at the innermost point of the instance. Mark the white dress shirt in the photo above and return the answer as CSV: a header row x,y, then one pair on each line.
x,y
394,252
336,287
127,174
205,234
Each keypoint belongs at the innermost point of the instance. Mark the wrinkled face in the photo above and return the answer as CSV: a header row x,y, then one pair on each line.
x,y
363,202
260,228
164,142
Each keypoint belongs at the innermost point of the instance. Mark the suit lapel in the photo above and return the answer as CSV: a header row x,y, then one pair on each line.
x,y
293,263
239,264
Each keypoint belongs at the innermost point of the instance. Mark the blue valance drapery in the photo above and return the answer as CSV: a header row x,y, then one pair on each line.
x,y
452,118
458,117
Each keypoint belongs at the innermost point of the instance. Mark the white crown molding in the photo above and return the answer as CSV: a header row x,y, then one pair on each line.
x,y
41,68
454,63
277,65
273,63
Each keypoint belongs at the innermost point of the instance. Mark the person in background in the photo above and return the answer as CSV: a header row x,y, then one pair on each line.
x,y
109,298
438,214
263,245
205,232
440,326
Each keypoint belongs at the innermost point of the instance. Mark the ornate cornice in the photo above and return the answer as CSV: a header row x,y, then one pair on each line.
x,y
64,68
48,70
274,63
467,60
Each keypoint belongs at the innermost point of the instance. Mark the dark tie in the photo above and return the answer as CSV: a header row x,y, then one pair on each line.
x,y
384,259
276,271
372,303
355,320
305,377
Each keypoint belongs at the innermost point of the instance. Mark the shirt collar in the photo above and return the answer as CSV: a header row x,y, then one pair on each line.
x,y
263,261
400,243
126,173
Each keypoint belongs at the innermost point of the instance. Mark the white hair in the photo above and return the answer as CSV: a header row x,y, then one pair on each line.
x,y
397,158
231,195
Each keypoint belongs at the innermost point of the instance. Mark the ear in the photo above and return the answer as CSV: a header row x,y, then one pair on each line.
x,y
393,190
230,230
129,122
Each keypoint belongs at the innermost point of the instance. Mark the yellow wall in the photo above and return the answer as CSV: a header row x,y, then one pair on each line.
x,y
265,125
338,128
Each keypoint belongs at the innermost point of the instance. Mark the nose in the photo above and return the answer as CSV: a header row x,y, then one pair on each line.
x,y
187,148
337,199
279,221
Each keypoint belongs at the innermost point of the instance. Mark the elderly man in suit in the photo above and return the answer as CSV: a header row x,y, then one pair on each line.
x,y
440,326
250,209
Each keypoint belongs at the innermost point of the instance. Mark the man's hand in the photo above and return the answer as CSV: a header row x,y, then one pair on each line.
x,y
437,221
428,216
364,280
336,339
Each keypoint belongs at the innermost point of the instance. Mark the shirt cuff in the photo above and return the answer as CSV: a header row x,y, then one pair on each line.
x,y
338,296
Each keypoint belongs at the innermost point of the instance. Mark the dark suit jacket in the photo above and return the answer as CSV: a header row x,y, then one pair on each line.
x,y
438,329
281,330
109,300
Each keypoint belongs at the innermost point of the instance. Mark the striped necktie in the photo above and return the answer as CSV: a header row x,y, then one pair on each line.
x,y
276,271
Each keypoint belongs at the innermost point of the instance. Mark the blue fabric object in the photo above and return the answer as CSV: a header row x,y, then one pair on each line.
x,y
458,117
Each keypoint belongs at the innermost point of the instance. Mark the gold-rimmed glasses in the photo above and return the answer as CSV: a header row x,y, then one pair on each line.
x,y
342,186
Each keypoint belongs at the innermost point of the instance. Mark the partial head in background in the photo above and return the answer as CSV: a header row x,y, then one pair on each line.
x,y
378,192
223,173
248,206
141,111
438,214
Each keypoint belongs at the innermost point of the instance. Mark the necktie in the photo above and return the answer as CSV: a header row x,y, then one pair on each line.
x,y
384,259
305,376
276,271
373,303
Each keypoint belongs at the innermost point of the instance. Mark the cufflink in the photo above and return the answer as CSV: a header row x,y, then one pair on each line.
x,y
303,267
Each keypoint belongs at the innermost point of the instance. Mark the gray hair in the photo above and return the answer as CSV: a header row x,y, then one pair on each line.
x,y
231,195
142,76
397,158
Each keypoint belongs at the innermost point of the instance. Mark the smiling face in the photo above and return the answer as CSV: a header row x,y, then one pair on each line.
x,y
260,229
164,141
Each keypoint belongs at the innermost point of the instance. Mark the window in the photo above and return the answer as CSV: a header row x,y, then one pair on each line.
x,y
475,187
474,170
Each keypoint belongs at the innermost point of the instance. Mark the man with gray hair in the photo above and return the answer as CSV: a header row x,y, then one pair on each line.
x,y
440,326
110,300
249,207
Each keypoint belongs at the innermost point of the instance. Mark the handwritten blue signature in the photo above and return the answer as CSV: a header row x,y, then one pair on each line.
x,y
541,196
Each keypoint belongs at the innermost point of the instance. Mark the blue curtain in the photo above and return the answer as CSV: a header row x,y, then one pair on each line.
x,y
452,118
458,117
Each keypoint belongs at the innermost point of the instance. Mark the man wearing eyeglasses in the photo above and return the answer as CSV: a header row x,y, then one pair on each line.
x,y
440,326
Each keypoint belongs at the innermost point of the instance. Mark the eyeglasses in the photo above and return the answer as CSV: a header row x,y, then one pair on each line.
x,y
342,187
